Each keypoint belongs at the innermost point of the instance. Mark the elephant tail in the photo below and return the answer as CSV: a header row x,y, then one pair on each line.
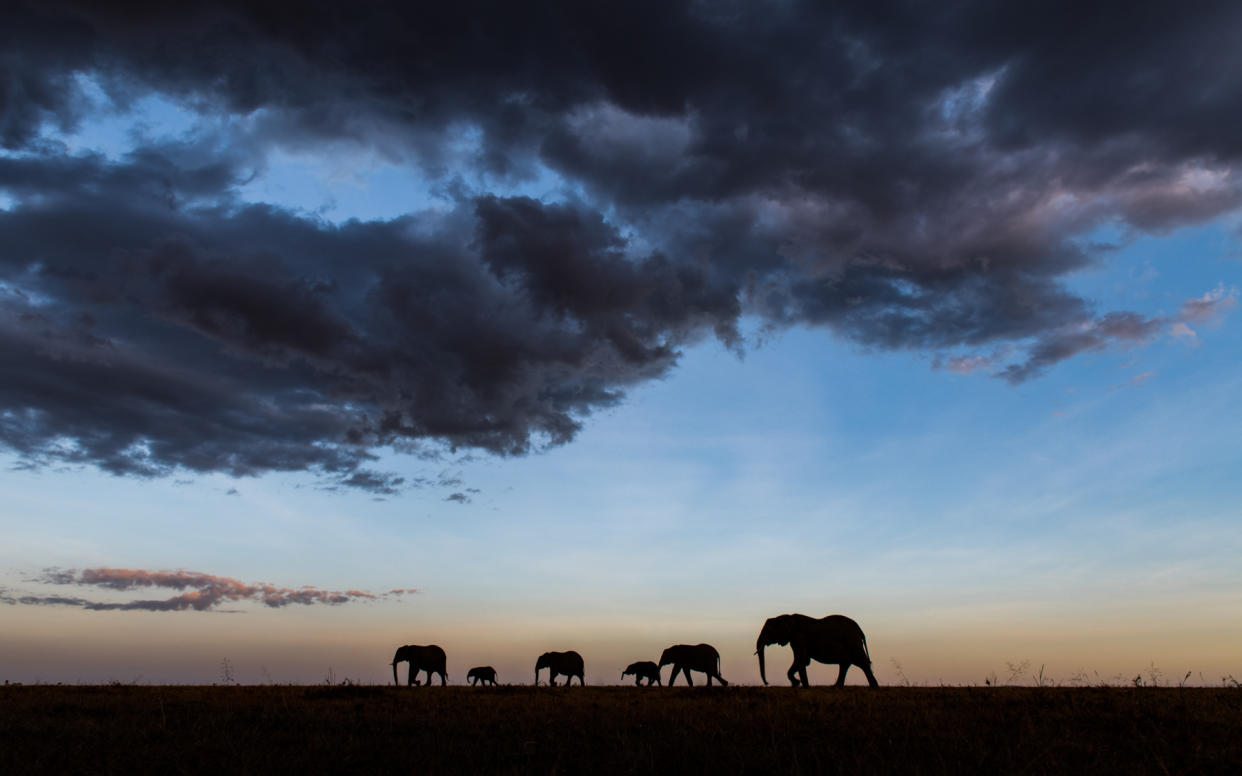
x,y
866,652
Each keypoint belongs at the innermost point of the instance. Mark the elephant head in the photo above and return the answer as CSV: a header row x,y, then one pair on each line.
x,y
778,631
544,661
668,656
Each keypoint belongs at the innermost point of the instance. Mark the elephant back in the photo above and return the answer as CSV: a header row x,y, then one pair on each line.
x,y
571,663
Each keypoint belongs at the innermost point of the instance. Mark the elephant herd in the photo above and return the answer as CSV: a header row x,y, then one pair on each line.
x,y
835,639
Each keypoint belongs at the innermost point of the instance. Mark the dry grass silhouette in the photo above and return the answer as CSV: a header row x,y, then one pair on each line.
x,y
365,728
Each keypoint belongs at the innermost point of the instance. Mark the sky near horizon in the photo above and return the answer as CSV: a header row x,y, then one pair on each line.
x,y
616,329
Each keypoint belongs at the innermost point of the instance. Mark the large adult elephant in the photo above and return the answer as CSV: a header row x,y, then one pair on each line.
x,y
567,664
429,658
832,639
693,657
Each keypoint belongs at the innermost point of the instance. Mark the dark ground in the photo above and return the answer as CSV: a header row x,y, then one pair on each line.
x,y
744,730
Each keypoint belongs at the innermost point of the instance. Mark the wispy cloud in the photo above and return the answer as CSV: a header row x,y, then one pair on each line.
x,y
1135,381
964,365
1211,306
1184,333
202,592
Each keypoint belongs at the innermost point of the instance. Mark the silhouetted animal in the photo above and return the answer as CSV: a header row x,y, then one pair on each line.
x,y
644,669
484,674
832,639
567,664
693,657
430,659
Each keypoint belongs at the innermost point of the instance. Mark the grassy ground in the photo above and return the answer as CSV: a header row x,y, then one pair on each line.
x,y
268,729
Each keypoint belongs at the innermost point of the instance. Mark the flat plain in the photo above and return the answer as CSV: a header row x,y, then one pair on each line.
x,y
514,729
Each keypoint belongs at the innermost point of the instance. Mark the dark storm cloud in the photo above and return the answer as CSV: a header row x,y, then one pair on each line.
x,y
202,591
908,176
245,339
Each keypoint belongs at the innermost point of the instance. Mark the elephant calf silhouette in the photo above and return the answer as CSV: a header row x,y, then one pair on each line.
x,y
484,674
693,657
832,639
567,664
429,658
644,669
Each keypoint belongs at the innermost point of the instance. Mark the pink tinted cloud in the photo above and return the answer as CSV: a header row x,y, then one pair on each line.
x,y
1135,381
1211,306
1184,333
1123,330
966,365
204,591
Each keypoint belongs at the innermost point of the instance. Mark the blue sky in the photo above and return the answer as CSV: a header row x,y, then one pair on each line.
x,y
1094,505
856,450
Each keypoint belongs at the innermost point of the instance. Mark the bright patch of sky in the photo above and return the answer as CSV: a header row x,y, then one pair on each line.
x,y
346,180
808,475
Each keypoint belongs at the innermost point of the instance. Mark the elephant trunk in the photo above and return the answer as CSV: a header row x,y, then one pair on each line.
x,y
394,674
759,647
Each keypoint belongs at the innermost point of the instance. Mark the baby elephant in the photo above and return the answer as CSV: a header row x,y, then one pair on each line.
x,y
644,669
484,674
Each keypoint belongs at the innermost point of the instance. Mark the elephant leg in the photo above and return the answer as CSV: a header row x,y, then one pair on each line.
x,y
801,661
792,673
709,678
721,679
866,668
845,667
689,679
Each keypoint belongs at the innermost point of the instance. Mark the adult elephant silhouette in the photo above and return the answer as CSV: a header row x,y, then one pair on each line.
x,y
693,657
832,639
429,658
567,664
